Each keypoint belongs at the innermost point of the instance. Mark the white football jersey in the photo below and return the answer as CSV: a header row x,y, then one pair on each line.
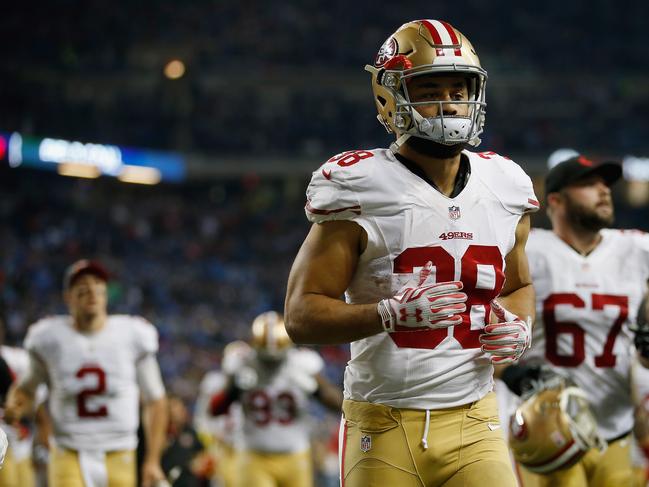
x,y
584,305
94,395
276,410
408,223
225,427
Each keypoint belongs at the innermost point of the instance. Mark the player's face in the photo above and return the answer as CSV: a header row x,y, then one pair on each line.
x,y
87,297
588,203
448,89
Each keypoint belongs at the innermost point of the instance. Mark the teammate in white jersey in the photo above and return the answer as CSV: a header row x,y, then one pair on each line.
x,y
97,367
221,433
589,281
421,238
274,381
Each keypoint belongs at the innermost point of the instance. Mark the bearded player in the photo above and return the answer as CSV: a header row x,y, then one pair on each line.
x,y
97,367
589,282
421,238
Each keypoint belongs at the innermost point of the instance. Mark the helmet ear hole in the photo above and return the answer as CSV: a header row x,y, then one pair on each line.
x,y
382,101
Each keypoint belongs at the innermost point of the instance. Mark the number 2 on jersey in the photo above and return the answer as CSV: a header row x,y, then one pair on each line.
x,y
83,410
477,261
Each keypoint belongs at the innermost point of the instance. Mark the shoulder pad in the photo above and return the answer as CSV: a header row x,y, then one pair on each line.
x,y
333,191
506,180
39,333
306,360
146,335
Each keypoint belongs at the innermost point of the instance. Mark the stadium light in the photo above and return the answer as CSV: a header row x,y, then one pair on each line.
x,y
139,175
78,170
174,69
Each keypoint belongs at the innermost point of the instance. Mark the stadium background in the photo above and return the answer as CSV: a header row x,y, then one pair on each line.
x,y
269,91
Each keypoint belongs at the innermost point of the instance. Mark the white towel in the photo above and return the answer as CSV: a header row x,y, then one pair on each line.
x,y
93,468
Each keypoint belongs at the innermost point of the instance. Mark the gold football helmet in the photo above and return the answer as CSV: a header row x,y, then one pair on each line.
x,y
553,429
269,336
427,47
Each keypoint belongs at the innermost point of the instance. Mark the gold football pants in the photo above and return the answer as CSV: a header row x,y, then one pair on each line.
x,y
382,446
64,469
610,468
274,469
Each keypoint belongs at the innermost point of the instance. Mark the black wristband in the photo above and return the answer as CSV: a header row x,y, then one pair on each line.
x,y
519,377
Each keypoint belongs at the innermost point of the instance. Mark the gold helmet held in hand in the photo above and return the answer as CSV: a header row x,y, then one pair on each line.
x,y
553,429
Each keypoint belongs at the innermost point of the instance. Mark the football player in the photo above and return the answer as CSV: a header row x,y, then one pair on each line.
x,y
221,433
273,381
421,238
589,281
97,367
18,469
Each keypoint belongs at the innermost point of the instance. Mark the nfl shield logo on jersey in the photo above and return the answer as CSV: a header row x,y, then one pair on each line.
x,y
366,443
454,212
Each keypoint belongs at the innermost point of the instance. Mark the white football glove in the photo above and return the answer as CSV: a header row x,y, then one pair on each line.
x,y
424,304
235,356
507,337
236,364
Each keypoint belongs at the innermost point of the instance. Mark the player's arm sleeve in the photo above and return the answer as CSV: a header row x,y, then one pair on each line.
x,y
332,194
35,376
149,378
518,195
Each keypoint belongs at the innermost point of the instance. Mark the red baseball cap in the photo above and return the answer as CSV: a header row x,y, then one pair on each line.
x,y
81,267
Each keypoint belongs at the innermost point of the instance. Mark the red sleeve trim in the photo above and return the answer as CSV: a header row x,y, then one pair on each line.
x,y
316,211
533,202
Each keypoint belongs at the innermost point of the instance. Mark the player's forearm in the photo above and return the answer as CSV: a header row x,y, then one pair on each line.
x,y
520,302
318,319
156,419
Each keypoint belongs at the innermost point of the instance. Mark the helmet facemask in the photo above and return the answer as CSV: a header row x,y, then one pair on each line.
x,y
448,130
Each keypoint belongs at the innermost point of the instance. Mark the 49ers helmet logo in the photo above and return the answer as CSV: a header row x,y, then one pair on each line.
x,y
388,50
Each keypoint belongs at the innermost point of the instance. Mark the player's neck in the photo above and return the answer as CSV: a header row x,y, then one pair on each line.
x,y
442,172
581,240
89,324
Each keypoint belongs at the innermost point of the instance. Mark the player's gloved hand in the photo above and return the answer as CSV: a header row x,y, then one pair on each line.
x,y
235,365
424,304
235,355
506,337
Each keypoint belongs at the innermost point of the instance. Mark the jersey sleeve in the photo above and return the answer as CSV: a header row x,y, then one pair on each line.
x,y
642,243
333,193
146,337
511,185
36,339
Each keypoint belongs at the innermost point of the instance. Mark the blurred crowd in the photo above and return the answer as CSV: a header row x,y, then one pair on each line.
x,y
287,79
